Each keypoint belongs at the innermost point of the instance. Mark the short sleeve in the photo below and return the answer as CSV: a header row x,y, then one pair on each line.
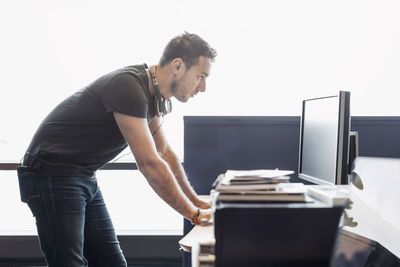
x,y
125,94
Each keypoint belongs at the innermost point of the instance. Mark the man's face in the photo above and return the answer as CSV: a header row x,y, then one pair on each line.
x,y
192,81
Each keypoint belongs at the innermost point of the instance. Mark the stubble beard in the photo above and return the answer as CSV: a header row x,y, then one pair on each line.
x,y
175,93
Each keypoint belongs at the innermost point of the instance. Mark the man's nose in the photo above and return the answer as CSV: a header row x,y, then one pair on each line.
x,y
202,86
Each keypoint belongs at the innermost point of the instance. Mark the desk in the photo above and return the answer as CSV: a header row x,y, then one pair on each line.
x,y
375,211
352,241
280,234
192,241
371,225
199,234
375,206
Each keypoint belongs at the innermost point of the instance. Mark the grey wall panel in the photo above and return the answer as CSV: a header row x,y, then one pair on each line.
x,y
214,144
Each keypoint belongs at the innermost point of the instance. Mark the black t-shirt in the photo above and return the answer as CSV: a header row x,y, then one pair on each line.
x,y
81,135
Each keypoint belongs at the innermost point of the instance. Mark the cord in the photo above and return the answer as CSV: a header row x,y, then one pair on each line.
x,y
156,131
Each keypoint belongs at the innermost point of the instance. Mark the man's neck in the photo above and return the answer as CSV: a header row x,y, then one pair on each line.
x,y
163,79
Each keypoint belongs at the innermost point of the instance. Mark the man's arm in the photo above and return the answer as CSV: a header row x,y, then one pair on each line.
x,y
157,172
174,163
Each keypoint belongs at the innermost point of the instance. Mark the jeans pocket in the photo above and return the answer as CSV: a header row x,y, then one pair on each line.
x,y
29,189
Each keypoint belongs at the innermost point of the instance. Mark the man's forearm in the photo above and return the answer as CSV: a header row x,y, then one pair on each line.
x,y
161,179
180,175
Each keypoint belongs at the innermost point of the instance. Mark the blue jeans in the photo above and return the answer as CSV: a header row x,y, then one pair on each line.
x,y
72,220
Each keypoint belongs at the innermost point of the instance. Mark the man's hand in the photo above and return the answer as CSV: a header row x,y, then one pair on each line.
x,y
202,204
204,217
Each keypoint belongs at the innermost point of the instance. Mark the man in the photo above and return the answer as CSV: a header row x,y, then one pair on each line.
x,y
87,130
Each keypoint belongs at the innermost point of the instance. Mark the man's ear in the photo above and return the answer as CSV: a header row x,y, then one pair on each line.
x,y
177,66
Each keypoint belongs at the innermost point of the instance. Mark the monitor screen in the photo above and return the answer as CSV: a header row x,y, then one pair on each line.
x,y
324,139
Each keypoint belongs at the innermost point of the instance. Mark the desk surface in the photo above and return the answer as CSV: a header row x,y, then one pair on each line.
x,y
199,234
373,226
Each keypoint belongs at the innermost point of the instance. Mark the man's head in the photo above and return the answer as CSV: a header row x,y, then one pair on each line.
x,y
189,58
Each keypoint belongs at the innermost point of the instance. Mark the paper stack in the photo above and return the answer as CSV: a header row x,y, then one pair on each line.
x,y
259,185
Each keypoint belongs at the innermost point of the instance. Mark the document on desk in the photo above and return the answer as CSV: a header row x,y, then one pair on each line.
x,y
262,173
245,187
256,176
263,198
284,192
259,186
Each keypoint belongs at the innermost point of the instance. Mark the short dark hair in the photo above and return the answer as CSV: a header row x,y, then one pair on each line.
x,y
189,47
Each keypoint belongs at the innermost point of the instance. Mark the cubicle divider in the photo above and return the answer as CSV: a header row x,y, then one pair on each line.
x,y
213,144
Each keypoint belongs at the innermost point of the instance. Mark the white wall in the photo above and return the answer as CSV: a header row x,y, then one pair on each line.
x,y
271,55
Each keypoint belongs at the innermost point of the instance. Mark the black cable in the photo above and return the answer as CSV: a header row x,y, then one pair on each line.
x,y
156,131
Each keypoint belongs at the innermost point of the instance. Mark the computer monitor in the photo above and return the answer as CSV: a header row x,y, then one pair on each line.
x,y
324,139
